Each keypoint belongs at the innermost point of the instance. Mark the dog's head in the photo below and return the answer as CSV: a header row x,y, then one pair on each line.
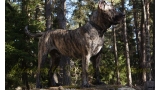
x,y
109,13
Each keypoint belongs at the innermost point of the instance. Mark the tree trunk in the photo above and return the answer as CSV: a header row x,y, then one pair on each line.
x,y
153,56
23,62
129,78
147,61
48,14
148,41
116,56
143,44
61,12
24,75
137,31
153,43
136,16
65,61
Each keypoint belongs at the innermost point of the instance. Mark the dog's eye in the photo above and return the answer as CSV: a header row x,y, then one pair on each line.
x,y
117,10
104,2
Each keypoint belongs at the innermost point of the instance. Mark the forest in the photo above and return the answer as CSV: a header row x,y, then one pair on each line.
x,y
128,54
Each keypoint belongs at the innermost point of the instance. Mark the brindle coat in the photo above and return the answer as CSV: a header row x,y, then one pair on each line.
x,y
85,42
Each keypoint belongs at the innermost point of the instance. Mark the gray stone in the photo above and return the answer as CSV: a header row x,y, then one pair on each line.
x,y
126,88
149,85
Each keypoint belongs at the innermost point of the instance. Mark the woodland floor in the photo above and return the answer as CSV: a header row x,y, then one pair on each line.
x,y
97,87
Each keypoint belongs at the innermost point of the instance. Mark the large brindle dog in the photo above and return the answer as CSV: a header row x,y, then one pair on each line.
x,y
84,42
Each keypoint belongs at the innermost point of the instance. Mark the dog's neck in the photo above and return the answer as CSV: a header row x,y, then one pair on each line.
x,y
100,30
98,19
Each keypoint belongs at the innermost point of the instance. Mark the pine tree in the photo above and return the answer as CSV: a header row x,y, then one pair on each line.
x,y
129,78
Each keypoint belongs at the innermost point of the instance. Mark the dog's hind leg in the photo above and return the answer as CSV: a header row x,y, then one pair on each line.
x,y
41,60
55,60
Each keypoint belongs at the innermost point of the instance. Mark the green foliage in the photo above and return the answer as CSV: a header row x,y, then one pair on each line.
x,y
81,13
20,50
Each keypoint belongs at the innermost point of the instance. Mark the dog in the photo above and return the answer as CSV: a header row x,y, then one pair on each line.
x,y
84,42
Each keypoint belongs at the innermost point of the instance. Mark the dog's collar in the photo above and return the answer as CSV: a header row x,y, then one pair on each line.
x,y
98,28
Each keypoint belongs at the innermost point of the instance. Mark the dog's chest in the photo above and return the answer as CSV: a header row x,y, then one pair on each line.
x,y
97,45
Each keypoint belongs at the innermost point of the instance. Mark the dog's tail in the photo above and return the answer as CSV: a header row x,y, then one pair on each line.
x,y
39,34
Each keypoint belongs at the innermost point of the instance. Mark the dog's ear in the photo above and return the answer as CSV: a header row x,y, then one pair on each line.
x,y
101,4
104,6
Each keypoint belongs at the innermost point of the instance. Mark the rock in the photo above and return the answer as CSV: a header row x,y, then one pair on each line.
x,y
18,88
56,88
149,85
126,88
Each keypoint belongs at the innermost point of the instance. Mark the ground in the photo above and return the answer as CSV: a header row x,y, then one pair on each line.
x,y
97,87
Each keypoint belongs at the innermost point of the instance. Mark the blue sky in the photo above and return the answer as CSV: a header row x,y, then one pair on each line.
x,y
69,8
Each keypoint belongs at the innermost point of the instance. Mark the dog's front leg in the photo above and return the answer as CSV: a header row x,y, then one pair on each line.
x,y
96,62
85,64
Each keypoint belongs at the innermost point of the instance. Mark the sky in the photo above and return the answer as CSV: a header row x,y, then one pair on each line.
x,y
69,8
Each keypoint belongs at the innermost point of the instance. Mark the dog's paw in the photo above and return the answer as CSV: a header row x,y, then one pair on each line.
x,y
58,84
86,85
98,83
